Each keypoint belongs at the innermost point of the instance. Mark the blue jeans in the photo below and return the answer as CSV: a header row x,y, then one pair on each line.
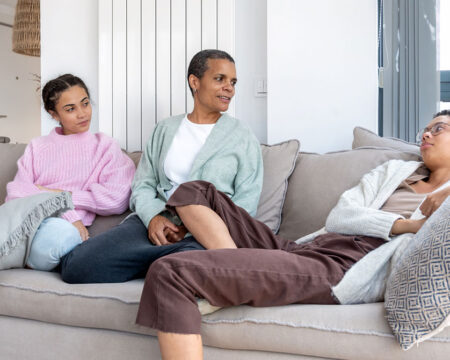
x,y
54,238
120,254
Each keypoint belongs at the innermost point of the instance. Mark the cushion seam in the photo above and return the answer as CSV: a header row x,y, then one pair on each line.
x,y
68,294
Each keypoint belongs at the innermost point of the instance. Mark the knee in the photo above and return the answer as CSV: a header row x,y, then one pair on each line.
x,y
61,231
159,268
162,272
74,268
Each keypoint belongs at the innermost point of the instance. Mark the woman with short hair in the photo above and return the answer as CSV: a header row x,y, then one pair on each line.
x,y
206,144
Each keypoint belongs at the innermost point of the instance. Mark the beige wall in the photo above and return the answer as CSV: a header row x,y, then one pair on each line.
x,y
19,100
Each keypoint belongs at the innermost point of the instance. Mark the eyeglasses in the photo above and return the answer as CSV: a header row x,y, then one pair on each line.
x,y
434,130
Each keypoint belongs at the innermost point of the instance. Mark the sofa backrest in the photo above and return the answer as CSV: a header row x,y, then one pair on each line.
x,y
314,187
318,181
9,154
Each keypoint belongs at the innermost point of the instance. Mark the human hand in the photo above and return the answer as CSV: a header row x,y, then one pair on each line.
x,y
433,201
43,188
157,230
84,233
174,237
403,226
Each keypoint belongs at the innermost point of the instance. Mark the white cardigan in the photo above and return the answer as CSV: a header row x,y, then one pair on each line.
x,y
357,213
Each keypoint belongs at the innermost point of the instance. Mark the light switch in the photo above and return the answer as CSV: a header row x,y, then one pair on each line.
x,y
260,85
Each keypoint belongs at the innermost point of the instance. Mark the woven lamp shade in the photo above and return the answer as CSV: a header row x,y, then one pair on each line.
x,y
26,29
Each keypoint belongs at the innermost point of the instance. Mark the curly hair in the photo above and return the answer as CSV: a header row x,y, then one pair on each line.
x,y
54,88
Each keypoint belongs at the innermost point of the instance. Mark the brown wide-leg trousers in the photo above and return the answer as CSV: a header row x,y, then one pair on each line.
x,y
265,270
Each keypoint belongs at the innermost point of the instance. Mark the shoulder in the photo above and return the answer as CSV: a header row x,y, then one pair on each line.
x,y
40,142
238,128
391,171
107,143
396,165
169,122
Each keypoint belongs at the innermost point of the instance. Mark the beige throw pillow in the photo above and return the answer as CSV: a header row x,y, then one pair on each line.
x,y
279,163
363,137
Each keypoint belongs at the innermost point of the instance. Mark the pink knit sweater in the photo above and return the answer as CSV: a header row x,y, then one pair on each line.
x,y
91,166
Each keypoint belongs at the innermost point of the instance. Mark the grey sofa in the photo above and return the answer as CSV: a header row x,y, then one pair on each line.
x,y
41,317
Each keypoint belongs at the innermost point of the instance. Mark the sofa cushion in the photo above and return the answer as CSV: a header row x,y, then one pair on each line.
x,y
9,154
418,291
318,181
363,137
19,221
295,329
279,162
104,223
43,296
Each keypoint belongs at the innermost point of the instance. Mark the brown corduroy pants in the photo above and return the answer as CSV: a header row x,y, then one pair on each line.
x,y
265,270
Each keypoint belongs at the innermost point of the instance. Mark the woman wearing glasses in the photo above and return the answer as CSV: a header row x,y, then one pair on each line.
x,y
257,268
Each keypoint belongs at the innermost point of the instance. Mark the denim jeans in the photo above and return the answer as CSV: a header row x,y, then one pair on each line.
x,y
54,238
120,254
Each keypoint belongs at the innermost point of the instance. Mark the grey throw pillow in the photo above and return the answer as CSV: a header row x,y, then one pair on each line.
x,y
19,220
417,298
363,137
279,163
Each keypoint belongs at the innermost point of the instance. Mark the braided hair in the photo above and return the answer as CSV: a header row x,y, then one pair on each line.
x,y
54,88
199,63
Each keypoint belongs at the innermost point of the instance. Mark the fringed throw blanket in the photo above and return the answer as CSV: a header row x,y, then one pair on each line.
x,y
19,220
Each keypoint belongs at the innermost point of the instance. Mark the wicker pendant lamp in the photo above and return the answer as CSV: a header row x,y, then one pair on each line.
x,y
26,29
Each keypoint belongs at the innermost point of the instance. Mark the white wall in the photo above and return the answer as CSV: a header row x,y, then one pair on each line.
x,y
74,48
251,64
19,100
322,71
69,44
321,65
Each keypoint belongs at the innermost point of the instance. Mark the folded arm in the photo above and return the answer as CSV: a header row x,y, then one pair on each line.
x,y
356,212
111,193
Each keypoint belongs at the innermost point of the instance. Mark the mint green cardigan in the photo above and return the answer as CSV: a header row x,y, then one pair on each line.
x,y
230,159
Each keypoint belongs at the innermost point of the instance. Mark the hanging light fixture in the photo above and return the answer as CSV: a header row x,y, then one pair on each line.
x,y
26,28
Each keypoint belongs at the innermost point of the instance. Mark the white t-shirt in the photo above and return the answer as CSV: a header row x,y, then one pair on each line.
x,y
185,147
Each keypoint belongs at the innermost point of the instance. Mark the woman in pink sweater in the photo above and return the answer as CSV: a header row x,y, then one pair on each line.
x,y
90,166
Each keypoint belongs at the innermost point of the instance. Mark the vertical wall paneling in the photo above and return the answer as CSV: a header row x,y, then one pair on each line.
x,y
209,24
105,36
178,56
225,25
193,38
145,47
119,65
148,43
226,33
134,75
163,59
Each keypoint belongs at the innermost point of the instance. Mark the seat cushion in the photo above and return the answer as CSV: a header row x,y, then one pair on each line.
x,y
349,331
